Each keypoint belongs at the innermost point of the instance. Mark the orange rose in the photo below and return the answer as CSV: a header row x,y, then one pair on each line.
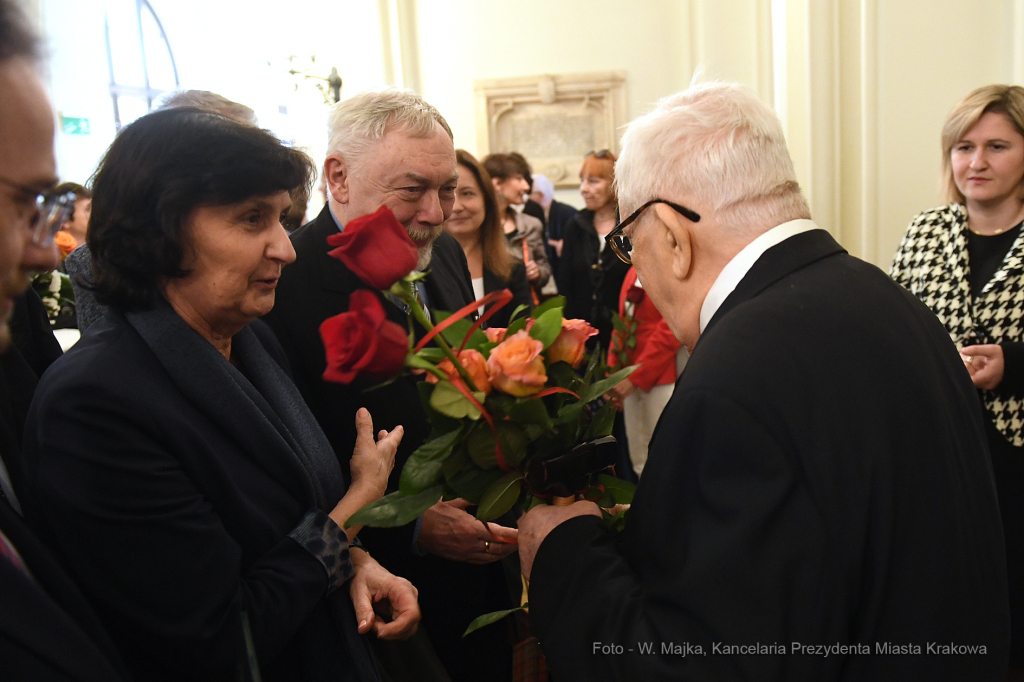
x,y
571,344
65,242
476,367
516,367
495,334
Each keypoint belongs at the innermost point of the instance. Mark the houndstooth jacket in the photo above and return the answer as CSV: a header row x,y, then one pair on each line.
x,y
932,263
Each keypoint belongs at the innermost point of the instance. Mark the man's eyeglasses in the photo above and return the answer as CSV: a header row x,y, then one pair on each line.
x,y
51,211
620,242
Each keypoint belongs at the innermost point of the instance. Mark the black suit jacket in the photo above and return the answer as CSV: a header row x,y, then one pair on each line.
x,y
48,633
315,287
820,476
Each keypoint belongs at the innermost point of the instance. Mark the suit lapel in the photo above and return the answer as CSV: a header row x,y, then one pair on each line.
x,y
777,262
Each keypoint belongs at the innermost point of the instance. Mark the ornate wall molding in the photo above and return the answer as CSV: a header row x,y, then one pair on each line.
x,y
552,120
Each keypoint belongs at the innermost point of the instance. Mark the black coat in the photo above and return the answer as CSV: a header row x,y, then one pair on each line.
x,y
819,476
168,486
589,277
315,287
558,217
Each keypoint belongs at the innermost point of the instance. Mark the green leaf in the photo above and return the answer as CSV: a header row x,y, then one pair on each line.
x,y
432,354
621,491
515,326
619,324
417,362
601,387
548,327
500,497
456,462
480,445
601,424
550,304
457,332
631,343
595,358
449,401
423,468
488,618
521,308
513,442
533,431
471,482
395,509
616,523
530,411
570,413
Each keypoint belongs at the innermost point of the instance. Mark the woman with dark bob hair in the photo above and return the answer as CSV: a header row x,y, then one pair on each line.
x,y
170,460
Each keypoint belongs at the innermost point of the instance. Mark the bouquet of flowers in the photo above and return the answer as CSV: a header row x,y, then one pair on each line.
x,y
55,289
509,408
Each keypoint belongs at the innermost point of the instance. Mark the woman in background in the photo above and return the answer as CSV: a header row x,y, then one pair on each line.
x,y
965,260
655,350
590,275
170,461
476,224
524,233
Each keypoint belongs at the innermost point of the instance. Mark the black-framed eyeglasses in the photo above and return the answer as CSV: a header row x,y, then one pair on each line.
x,y
620,242
51,211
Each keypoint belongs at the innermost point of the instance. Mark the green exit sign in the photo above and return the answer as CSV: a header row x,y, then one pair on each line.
x,y
74,126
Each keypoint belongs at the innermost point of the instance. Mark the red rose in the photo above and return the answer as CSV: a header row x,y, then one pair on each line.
x,y
376,248
634,295
362,341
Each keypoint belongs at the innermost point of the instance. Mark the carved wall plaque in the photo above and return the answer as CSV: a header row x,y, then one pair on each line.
x,y
552,120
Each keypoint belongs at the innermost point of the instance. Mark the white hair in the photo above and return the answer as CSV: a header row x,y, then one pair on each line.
x,y
544,185
718,143
359,121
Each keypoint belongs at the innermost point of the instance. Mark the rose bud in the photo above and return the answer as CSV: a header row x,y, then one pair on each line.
x,y
495,334
571,344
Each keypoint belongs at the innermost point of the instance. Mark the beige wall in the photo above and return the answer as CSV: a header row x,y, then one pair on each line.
x,y
862,86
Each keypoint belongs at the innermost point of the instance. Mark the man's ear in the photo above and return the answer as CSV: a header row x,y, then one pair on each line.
x,y
678,240
337,177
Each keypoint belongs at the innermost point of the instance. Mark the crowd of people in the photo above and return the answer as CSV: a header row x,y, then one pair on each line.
x,y
836,464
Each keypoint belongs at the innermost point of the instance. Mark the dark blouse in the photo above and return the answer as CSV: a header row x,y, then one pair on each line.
x,y
986,253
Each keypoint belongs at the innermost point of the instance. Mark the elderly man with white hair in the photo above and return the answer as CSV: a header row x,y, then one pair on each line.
x,y
818,501
391,148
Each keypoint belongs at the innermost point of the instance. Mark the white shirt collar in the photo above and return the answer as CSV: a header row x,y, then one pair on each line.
x,y
736,269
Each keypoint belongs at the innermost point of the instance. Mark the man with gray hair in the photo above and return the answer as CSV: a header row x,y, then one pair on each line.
x,y
391,148
818,502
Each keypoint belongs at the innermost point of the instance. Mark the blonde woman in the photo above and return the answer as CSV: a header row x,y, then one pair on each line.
x,y
965,261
